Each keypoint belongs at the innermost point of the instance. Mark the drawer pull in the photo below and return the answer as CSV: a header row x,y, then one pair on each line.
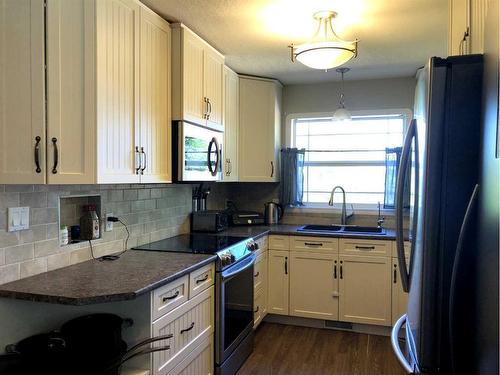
x,y
256,310
202,280
365,247
173,296
257,274
187,329
313,244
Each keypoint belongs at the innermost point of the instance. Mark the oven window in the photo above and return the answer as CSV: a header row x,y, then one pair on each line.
x,y
195,154
238,305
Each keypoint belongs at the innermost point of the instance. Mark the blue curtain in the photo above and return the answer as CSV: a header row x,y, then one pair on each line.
x,y
392,161
292,177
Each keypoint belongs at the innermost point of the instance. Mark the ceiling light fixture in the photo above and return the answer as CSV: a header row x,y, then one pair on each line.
x,y
342,114
324,51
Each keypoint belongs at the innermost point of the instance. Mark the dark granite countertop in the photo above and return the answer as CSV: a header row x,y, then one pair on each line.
x,y
90,282
257,231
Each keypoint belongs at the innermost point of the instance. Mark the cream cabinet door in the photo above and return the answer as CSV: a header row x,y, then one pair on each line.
x,y
22,92
199,362
399,296
117,64
194,106
231,125
213,65
257,132
365,289
260,272
70,92
155,113
278,279
314,289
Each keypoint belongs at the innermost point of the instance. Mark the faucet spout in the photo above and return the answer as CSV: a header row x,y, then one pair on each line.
x,y
343,216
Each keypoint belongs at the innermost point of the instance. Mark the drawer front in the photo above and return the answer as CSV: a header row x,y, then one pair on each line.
x,y
395,249
201,279
189,324
350,246
279,242
260,307
170,296
317,244
263,245
260,271
199,362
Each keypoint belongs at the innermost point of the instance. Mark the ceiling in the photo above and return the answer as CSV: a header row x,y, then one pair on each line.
x,y
396,36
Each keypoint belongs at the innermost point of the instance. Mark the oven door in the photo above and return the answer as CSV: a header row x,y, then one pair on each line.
x,y
234,307
199,153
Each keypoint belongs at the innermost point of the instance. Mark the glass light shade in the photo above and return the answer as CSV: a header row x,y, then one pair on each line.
x,y
341,114
325,55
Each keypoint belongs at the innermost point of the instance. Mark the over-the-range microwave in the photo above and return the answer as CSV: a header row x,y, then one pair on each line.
x,y
197,152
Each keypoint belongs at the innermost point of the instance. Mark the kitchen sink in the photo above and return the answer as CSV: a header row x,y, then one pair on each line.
x,y
360,229
320,228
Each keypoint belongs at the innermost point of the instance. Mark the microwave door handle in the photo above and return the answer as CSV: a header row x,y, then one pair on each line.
x,y
400,189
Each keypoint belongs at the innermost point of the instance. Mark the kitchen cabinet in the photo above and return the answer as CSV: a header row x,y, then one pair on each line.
x,y
231,125
260,282
466,17
365,289
314,287
197,73
22,102
278,279
260,130
199,362
399,296
107,95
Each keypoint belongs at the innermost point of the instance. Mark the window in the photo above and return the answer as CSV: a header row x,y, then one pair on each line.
x,y
350,154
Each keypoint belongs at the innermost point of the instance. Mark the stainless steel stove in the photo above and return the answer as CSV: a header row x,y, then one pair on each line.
x,y
234,291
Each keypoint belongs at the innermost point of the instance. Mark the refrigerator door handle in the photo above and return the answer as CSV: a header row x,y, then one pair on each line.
x,y
403,166
454,273
395,345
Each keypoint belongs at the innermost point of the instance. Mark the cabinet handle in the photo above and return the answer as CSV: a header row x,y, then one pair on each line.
x,y
138,154
341,271
256,310
205,110
145,160
395,275
209,108
365,247
173,296
272,168
286,265
202,280
335,271
37,154
257,274
56,155
187,329
315,244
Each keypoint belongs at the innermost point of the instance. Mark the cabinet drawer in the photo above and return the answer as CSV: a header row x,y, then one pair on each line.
x,y
260,271
260,307
199,362
189,324
279,242
365,247
317,244
201,279
395,249
168,297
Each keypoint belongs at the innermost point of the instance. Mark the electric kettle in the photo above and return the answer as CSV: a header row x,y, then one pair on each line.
x,y
273,212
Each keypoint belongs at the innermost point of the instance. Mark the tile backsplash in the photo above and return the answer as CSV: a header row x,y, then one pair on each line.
x,y
151,212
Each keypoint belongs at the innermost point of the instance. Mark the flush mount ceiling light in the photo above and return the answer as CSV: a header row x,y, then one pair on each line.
x,y
342,114
326,50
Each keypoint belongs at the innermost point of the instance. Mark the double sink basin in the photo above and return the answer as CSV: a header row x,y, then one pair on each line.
x,y
341,229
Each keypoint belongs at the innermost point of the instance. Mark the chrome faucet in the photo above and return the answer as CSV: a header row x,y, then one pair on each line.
x,y
344,217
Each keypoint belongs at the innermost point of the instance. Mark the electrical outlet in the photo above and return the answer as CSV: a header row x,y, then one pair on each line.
x,y
109,224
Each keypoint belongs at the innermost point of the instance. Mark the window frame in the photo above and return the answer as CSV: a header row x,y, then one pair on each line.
x,y
289,134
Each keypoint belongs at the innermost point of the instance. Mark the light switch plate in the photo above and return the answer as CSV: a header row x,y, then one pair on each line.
x,y
18,218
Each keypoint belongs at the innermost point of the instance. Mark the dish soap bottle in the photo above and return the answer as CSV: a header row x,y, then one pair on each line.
x,y
89,223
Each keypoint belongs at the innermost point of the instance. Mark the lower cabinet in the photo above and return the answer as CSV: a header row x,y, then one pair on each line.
x,y
365,289
399,296
314,285
260,307
199,362
278,288
260,282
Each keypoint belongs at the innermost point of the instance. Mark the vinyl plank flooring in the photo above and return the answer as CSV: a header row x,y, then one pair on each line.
x,y
290,350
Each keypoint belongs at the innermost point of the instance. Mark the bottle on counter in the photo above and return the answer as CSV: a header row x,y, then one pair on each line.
x,y
63,235
89,223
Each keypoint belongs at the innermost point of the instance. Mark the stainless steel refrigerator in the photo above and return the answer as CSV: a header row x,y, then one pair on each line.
x,y
445,154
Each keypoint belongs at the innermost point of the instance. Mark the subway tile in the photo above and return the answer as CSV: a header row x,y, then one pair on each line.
x,y
149,204
16,254
137,206
52,231
80,255
3,220
8,238
9,200
2,257
58,261
43,215
33,200
115,195
156,193
33,267
9,273
130,195
144,194
47,247
19,188
35,233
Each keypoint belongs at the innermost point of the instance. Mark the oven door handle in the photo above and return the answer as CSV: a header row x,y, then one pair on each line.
x,y
238,267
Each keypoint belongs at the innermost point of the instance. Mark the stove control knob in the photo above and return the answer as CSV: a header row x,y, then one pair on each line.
x,y
225,259
232,258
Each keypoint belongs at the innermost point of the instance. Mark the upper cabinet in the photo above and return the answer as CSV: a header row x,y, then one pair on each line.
x,y
231,125
259,129
466,26
108,115
197,79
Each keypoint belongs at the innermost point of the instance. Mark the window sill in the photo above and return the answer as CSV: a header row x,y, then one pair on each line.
x,y
326,209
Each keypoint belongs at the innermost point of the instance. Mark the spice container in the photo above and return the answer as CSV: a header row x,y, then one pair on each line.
x,y
89,223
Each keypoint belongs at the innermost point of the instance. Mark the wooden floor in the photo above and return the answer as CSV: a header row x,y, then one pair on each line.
x,y
290,350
